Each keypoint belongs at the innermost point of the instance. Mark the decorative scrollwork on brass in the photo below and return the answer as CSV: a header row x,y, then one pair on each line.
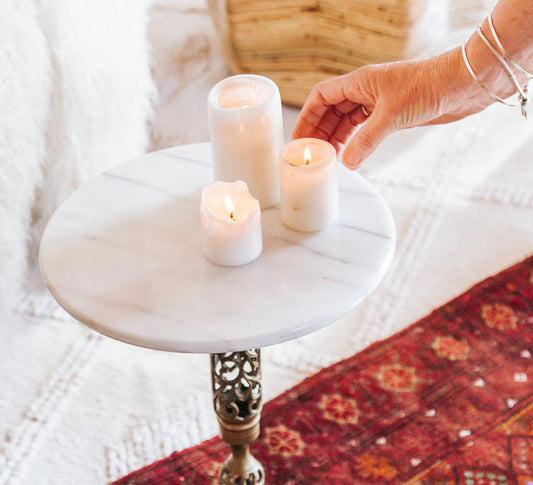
x,y
236,380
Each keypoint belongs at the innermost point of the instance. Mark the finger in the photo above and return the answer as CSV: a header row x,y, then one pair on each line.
x,y
304,128
327,127
360,114
366,140
342,132
310,115
346,106
308,119
324,95
347,125
329,122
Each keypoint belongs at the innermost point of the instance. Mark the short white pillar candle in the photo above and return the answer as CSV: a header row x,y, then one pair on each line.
x,y
246,133
231,224
309,184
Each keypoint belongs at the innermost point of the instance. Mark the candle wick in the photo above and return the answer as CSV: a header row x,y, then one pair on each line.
x,y
307,162
232,216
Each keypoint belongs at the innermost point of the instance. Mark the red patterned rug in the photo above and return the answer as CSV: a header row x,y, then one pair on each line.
x,y
447,401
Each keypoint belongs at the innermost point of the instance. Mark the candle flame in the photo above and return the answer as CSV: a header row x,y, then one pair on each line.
x,y
307,156
229,207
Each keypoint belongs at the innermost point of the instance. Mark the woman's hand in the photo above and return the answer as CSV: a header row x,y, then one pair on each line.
x,y
380,99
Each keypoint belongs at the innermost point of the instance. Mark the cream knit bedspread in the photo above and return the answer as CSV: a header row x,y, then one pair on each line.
x,y
75,94
77,407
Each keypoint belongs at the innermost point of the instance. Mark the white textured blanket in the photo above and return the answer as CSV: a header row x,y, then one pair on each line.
x,y
80,408
76,94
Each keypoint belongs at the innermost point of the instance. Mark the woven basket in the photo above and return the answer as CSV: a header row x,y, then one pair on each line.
x,y
297,43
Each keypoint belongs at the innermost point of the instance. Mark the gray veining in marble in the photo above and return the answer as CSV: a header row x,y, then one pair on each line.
x,y
123,255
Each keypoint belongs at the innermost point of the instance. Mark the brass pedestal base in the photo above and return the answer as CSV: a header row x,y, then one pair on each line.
x,y
236,380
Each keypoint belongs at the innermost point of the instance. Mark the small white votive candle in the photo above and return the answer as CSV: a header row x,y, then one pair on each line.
x,y
231,224
246,134
309,184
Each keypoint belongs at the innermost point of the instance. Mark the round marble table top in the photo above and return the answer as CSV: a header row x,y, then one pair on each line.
x,y
123,255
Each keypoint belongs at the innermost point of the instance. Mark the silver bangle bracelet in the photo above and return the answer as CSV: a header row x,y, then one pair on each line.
x,y
504,64
502,50
473,74
522,92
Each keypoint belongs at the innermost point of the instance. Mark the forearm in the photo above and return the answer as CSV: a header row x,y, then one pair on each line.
x,y
383,98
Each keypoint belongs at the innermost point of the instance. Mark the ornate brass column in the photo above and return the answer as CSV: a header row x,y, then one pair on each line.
x,y
236,380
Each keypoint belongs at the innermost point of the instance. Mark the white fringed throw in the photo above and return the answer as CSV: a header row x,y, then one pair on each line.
x,y
76,94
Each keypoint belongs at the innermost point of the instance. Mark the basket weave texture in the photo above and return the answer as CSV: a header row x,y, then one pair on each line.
x,y
298,43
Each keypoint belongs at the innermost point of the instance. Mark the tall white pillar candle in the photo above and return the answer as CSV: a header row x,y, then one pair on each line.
x,y
231,224
309,184
246,133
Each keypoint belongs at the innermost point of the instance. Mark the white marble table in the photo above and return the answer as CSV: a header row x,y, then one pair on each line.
x,y
123,255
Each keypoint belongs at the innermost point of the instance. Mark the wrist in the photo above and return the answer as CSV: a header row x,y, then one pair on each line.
x,y
486,67
460,93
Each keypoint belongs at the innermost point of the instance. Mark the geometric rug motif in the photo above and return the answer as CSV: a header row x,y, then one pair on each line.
x,y
449,400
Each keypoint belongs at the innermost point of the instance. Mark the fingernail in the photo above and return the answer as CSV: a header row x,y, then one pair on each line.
x,y
351,164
